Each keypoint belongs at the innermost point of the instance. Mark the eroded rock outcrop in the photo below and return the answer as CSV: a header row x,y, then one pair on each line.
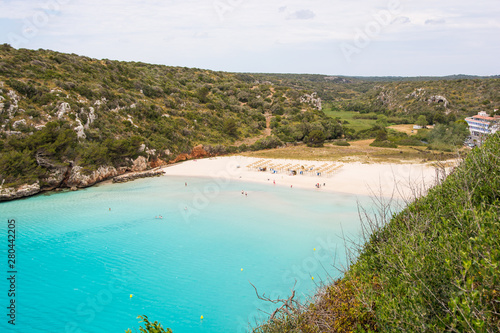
x,y
312,99
80,177
158,162
438,99
73,177
57,173
137,175
11,193
197,152
140,164
62,109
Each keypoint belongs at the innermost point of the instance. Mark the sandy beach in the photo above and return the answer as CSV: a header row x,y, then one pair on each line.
x,y
398,180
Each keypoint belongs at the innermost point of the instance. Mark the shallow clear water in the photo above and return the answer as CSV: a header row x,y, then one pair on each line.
x,y
78,262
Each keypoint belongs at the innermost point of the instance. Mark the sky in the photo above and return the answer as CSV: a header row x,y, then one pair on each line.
x,y
333,37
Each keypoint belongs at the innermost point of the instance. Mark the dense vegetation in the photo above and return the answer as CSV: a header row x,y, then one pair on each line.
x,y
91,112
365,106
66,109
434,267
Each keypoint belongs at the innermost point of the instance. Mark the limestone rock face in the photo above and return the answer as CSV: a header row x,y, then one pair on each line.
x,y
140,164
79,178
18,123
63,109
438,99
137,175
91,117
12,193
55,179
57,172
312,99
79,129
14,102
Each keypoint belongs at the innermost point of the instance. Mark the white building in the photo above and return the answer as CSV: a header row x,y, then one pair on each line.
x,y
481,125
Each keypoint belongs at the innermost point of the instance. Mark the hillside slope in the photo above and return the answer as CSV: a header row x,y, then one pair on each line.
x,y
70,121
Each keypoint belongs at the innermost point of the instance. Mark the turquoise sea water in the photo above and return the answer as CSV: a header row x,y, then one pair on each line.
x,y
80,255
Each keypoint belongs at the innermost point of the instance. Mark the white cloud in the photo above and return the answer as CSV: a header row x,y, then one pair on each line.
x,y
304,14
208,33
435,21
401,20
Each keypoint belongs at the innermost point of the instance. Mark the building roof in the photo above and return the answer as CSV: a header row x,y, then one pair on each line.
x,y
477,120
483,117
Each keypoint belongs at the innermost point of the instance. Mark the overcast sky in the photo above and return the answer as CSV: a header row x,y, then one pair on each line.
x,y
343,37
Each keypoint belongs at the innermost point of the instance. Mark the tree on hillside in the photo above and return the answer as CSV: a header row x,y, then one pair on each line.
x,y
230,127
381,135
315,139
382,120
422,121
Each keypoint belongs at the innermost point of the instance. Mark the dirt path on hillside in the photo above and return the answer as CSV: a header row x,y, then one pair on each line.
x,y
266,132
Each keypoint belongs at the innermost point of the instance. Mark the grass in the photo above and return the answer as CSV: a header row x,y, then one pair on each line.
x,y
358,151
355,124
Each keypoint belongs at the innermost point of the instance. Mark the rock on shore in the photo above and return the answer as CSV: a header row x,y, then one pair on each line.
x,y
12,193
137,175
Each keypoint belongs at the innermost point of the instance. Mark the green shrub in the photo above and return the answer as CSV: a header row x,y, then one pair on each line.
x,y
342,143
150,327
383,144
315,139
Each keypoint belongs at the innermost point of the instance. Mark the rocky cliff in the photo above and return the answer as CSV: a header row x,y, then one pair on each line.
x,y
74,177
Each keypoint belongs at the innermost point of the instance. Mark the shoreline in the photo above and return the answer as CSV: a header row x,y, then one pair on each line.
x,y
404,181
390,180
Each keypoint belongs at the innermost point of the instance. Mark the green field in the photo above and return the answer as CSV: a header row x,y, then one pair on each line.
x,y
355,124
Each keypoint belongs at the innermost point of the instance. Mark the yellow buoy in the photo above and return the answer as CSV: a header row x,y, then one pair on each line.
x,y
131,295
314,249
312,277
242,269
201,317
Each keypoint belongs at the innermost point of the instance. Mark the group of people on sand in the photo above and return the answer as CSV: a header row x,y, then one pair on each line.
x,y
318,185
244,193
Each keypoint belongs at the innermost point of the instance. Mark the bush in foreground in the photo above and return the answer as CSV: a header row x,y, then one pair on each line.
x,y
150,327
